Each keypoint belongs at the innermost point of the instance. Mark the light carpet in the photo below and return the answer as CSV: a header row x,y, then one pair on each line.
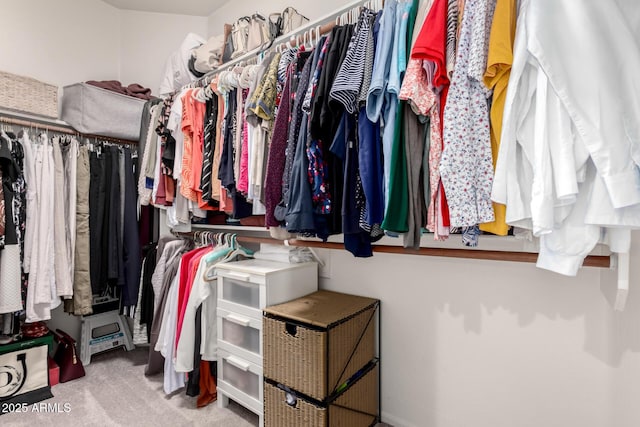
x,y
115,392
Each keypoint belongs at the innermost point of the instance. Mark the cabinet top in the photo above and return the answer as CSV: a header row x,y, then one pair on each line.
x,y
261,266
323,309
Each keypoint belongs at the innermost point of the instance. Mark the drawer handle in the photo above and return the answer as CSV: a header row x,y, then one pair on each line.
x,y
239,276
242,321
238,363
291,329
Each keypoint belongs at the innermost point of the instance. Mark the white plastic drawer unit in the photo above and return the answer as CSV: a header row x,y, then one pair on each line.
x,y
240,335
238,289
246,287
241,380
238,294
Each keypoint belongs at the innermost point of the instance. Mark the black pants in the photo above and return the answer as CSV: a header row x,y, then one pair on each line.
x,y
132,257
97,199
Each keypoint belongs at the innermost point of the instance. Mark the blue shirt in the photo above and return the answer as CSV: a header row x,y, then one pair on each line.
x,y
382,61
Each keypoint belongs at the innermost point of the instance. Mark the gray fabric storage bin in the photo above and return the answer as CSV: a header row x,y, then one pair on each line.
x,y
90,109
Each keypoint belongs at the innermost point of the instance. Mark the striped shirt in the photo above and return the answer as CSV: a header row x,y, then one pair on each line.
x,y
346,86
452,32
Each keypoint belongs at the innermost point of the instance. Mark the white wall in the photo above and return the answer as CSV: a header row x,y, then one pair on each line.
x,y
234,9
60,42
497,344
68,41
147,40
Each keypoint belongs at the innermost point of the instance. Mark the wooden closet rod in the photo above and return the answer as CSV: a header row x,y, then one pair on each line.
x,y
61,129
601,261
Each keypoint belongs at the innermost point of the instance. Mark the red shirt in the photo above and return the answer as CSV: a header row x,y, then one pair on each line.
x,y
186,282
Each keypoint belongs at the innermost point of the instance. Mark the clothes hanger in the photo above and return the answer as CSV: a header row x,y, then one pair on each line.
x,y
204,238
312,33
308,39
219,253
210,240
199,95
238,250
207,92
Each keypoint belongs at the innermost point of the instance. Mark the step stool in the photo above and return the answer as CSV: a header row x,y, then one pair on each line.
x,y
118,336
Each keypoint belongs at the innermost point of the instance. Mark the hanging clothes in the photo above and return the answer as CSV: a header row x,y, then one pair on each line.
x,y
131,253
277,150
82,297
496,78
325,119
143,317
112,250
297,211
397,201
430,47
62,239
382,61
163,277
594,185
466,165
203,292
318,169
210,134
31,204
12,187
173,380
42,296
97,204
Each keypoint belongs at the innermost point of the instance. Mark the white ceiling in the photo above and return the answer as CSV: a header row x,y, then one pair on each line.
x,y
181,7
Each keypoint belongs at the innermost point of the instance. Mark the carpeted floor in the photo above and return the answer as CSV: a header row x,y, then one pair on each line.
x,y
115,392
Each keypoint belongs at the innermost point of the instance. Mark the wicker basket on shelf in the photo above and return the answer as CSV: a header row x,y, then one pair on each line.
x,y
28,95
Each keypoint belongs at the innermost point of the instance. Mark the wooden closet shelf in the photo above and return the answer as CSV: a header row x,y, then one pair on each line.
x,y
601,261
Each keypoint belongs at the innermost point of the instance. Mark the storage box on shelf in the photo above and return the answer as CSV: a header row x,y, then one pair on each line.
x,y
245,288
94,110
320,347
27,95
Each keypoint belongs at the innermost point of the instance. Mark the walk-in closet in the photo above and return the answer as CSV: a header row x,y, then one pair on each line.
x,y
362,213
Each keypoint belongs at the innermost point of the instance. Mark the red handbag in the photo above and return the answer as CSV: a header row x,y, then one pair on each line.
x,y
67,357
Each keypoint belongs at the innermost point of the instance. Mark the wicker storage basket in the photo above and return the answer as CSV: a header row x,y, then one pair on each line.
x,y
357,406
28,95
315,343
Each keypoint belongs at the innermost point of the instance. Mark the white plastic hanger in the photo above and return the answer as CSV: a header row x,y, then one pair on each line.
x,y
198,95
237,250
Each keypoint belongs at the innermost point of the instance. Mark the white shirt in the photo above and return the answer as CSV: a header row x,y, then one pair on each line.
x,y
173,380
604,107
568,163
176,72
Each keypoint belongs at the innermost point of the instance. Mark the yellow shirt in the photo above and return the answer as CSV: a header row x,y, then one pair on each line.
x,y
496,77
